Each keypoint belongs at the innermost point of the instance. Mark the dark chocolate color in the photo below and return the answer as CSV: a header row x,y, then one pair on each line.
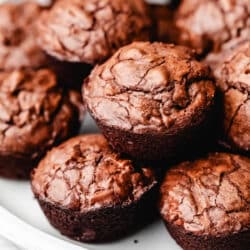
x,y
19,48
35,114
233,80
163,22
207,25
205,203
151,100
89,31
90,193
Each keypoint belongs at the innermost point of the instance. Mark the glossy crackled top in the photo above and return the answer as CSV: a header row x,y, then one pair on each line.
x,y
234,81
84,174
91,30
150,87
236,68
208,196
208,24
34,111
18,47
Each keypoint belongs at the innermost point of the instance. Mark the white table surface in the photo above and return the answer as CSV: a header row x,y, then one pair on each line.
x,y
7,245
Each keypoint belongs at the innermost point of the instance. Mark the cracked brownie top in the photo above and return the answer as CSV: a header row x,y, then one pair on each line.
x,y
34,112
209,196
234,81
235,72
18,47
150,87
208,24
89,31
85,174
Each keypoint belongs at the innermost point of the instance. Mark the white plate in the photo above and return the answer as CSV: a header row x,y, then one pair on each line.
x,y
17,198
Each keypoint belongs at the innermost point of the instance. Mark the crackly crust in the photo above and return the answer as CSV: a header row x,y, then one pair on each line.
x,y
208,24
150,87
90,31
236,68
84,174
34,113
208,197
18,46
234,82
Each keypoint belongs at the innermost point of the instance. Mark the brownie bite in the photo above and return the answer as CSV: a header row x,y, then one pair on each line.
x,y
91,194
151,100
216,59
90,31
234,83
19,48
206,25
35,114
205,204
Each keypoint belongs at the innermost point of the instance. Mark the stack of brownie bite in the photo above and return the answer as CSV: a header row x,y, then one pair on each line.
x,y
36,112
175,116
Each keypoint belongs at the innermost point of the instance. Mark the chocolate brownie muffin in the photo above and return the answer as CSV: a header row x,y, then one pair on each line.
x,y
207,24
89,31
90,193
19,48
151,100
234,83
216,59
35,114
205,204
